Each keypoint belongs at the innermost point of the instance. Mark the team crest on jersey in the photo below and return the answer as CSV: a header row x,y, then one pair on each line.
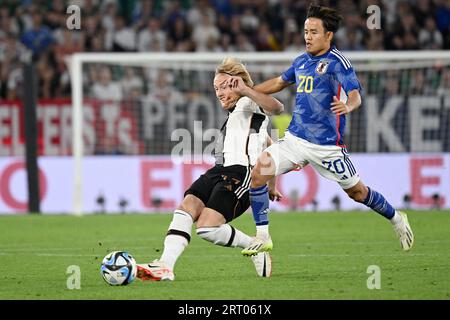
x,y
322,66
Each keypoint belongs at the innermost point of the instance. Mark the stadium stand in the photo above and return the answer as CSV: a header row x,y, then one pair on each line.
x,y
193,26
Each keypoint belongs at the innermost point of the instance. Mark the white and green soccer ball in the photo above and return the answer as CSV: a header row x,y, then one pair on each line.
x,y
118,268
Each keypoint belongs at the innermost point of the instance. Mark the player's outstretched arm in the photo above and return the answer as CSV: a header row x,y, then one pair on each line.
x,y
273,85
269,104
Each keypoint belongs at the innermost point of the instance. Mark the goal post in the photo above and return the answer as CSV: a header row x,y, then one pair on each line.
x,y
378,65
75,67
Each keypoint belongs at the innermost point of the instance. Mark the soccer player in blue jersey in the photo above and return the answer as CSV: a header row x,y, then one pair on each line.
x,y
326,90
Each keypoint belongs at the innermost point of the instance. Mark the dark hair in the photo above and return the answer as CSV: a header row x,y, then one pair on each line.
x,y
330,17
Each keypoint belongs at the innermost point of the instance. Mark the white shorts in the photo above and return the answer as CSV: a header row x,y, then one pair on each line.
x,y
331,162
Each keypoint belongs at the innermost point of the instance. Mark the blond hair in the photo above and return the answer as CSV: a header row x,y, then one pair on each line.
x,y
234,67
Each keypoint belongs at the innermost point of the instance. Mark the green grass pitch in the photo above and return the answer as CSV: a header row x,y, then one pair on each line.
x,y
315,256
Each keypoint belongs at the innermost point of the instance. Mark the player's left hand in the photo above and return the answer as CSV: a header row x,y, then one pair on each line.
x,y
275,195
339,107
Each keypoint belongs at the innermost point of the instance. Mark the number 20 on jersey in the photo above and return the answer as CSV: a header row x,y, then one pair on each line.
x,y
306,84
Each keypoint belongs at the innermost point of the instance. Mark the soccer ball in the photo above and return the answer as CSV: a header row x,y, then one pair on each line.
x,y
118,268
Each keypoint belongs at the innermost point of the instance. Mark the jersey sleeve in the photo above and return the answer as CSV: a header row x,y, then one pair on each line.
x,y
247,104
347,78
289,75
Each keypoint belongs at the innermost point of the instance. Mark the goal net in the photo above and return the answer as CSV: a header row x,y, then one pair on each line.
x,y
143,104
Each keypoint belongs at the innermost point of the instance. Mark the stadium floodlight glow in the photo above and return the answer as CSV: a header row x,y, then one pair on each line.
x,y
264,63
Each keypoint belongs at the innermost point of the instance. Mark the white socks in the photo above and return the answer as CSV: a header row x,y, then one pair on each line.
x,y
178,237
225,235
396,219
262,232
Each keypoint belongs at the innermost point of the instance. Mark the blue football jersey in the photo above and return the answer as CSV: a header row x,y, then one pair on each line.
x,y
318,79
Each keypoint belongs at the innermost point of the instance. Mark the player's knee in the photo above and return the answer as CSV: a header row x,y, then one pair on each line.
x,y
193,205
263,171
258,179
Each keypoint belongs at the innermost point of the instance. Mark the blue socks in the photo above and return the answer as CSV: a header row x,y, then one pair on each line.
x,y
378,203
259,198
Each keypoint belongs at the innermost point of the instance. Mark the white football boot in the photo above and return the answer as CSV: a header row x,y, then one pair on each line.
x,y
155,271
258,245
404,232
263,264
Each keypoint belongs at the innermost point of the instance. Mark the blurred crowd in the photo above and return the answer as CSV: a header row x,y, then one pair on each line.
x,y
40,26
